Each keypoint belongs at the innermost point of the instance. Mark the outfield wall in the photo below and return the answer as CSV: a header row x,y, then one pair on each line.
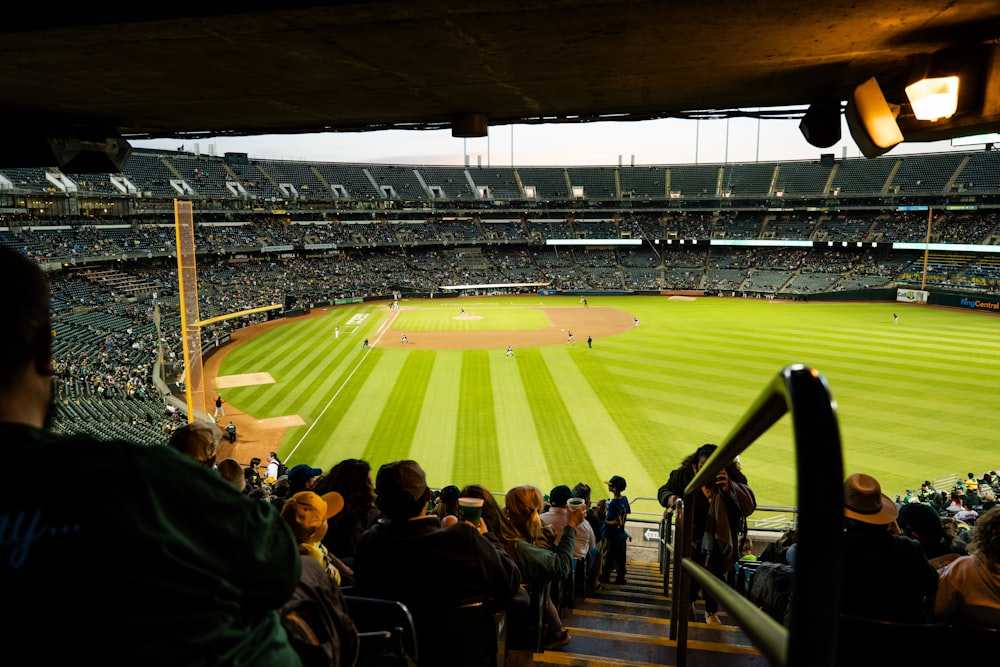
x,y
947,298
874,294
967,300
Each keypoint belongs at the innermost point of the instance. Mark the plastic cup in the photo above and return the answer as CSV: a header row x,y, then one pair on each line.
x,y
471,510
575,503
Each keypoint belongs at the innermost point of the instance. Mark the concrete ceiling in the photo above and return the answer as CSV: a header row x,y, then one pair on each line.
x,y
184,70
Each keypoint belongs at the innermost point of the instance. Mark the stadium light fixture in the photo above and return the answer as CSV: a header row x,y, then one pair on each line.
x,y
933,98
872,120
933,86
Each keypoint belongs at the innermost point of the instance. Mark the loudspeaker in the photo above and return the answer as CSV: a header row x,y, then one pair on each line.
x,y
821,123
469,125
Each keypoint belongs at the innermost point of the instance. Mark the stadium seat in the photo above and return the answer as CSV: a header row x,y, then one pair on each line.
x,y
388,637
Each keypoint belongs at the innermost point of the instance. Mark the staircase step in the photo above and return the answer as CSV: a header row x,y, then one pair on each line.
x,y
629,606
653,650
629,624
586,619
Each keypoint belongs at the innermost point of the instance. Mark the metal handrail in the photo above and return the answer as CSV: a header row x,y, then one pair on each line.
x,y
814,622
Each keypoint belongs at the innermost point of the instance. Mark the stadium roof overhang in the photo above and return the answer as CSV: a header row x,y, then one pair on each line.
x,y
75,80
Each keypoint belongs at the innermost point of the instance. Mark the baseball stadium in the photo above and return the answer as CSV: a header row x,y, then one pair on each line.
x,y
766,390
637,335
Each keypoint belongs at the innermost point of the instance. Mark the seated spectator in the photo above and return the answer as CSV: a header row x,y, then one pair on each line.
x,y
777,551
886,576
962,529
972,500
538,563
232,471
318,599
956,503
988,497
301,478
352,479
446,502
921,523
177,569
306,513
557,516
279,491
594,558
410,557
199,440
971,483
541,563
966,514
969,587
992,480
927,492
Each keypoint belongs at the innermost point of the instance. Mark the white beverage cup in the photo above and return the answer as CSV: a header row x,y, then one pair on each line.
x,y
471,510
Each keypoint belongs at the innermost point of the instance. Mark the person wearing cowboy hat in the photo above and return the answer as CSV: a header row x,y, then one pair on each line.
x,y
886,575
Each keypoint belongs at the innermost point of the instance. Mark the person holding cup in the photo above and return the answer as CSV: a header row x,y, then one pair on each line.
x,y
560,504
415,557
540,564
471,510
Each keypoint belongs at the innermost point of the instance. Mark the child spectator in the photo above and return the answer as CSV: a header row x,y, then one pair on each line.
x,y
615,535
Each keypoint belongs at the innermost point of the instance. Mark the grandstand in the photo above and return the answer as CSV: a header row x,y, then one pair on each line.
x,y
286,232
306,235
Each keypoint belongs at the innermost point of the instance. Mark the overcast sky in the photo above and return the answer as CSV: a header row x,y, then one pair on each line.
x,y
669,141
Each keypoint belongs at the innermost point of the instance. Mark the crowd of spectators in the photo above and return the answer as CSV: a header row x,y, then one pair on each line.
x,y
106,342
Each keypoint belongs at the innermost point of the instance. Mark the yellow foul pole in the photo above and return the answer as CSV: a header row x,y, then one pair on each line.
x,y
187,282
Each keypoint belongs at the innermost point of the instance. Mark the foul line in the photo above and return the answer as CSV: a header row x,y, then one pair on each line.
x,y
378,336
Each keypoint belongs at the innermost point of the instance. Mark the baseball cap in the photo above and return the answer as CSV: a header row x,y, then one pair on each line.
x,y
401,479
306,511
302,473
617,481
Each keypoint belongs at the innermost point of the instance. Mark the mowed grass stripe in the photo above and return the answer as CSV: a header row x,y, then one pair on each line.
x,y
346,428
476,453
392,434
437,427
331,365
287,339
566,454
316,437
300,348
317,365
304,393
608,386
522,457
605,449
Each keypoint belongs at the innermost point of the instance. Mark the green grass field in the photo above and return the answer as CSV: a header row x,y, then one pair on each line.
x,y
916,400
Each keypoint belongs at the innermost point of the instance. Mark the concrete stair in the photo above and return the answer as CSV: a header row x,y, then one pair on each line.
x,y
630,625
